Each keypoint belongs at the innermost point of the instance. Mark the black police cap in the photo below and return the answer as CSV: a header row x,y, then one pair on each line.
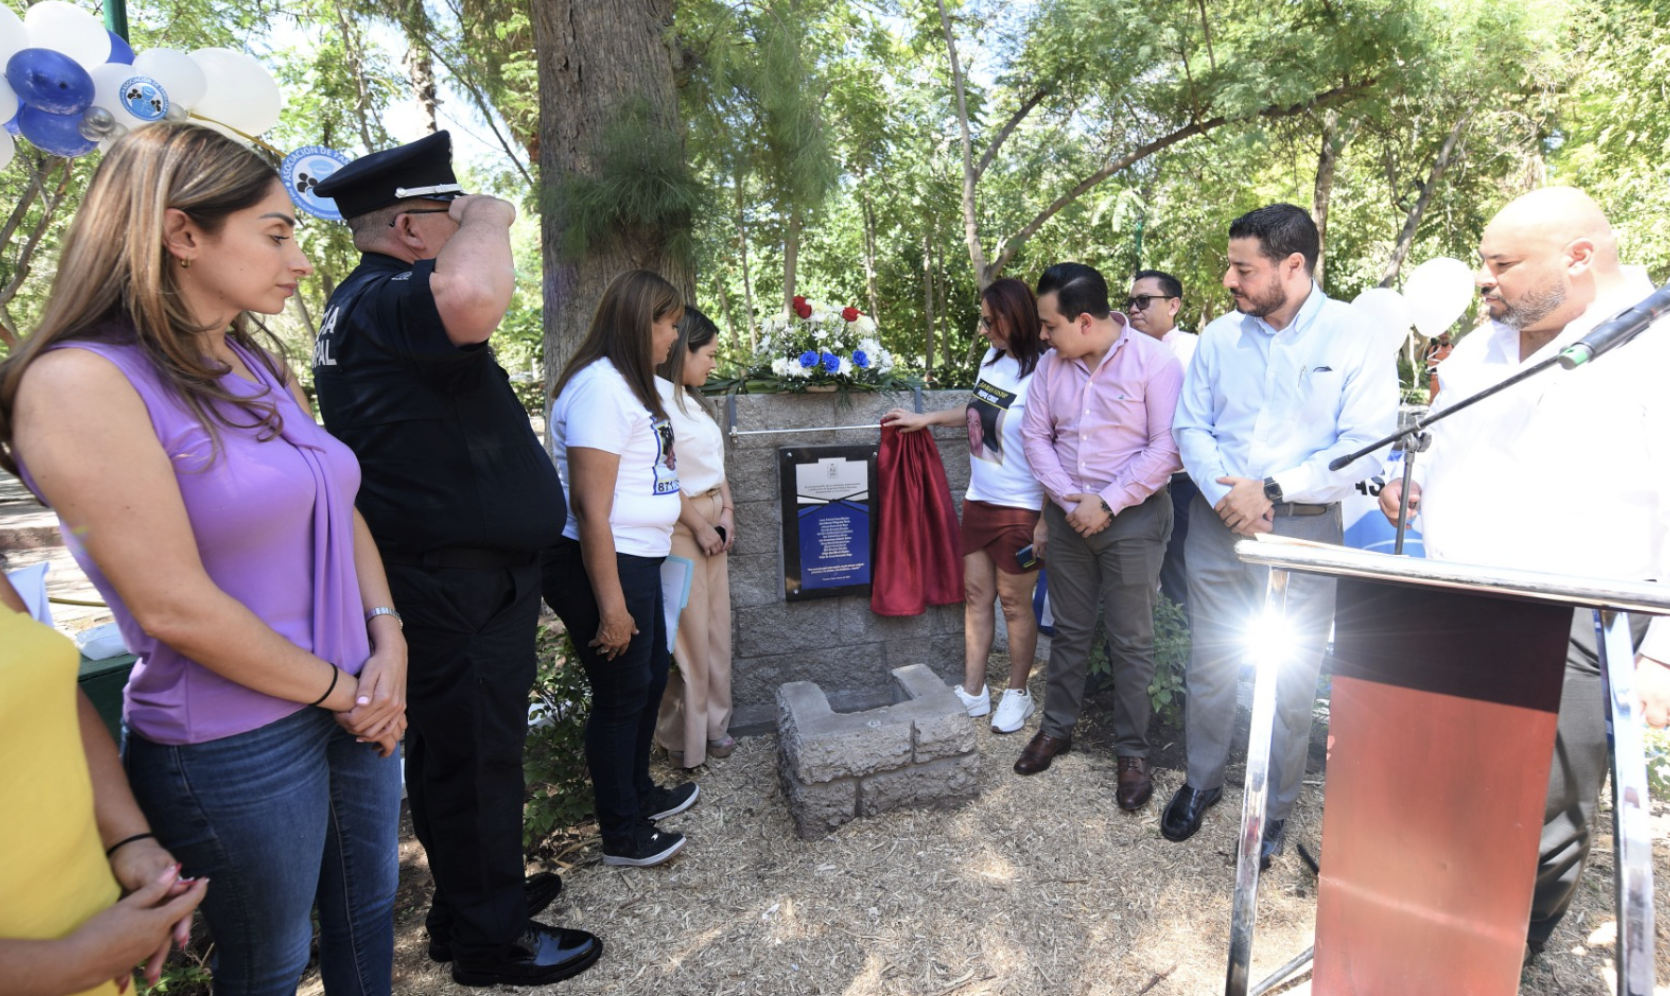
x,y
418,169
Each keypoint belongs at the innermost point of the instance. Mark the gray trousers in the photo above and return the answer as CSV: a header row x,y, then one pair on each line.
x,y
1574,779
1224,596
1119,570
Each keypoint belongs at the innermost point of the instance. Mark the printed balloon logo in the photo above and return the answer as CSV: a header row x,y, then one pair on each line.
x,y
144,98
303,170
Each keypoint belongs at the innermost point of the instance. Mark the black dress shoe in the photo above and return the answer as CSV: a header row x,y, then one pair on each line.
x,y
1183,814
541,956
539,891
1274,842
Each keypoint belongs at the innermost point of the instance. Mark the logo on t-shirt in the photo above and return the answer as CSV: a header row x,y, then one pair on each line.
x,y
987,411
666,461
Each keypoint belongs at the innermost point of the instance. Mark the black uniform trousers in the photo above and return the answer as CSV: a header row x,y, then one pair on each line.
x,y
1580,767
470,633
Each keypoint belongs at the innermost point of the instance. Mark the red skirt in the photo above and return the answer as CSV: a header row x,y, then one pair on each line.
x,y
999,530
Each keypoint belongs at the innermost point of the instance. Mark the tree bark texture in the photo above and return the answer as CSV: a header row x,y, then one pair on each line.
x,y
1326,161
596,57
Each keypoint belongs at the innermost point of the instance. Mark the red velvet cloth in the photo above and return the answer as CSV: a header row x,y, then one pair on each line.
x,y
918,551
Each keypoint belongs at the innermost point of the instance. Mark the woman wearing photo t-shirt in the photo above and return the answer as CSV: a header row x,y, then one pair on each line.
x,y
1002,505
613,446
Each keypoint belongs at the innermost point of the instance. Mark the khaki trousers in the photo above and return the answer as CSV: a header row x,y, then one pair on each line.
x,y
696,707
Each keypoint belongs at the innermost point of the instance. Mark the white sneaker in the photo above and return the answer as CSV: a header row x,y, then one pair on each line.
x,y
977,705
1012,711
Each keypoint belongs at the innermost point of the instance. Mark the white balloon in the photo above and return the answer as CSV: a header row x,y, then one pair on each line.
x,y
67,28
1388,312
1438,292
13,37
8,100
178,73
7,146
107,92
241,93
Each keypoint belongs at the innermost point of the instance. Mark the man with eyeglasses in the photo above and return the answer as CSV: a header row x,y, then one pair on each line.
x,y
1156,298
461,499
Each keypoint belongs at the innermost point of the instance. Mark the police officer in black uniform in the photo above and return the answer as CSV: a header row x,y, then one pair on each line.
x,y
460,498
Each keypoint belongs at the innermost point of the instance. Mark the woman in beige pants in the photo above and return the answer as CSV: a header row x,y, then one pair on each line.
x,y
696,709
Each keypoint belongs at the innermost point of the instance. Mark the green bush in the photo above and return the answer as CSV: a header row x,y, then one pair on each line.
x,y
1171,658
554,762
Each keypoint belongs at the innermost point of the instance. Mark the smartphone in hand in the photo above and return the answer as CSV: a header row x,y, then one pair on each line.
x,y
721,531
1026,558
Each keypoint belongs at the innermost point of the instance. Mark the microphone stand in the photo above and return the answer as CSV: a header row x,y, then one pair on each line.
x,y
1418,439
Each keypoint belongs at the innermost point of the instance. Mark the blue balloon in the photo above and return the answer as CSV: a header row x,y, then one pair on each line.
x,y
120,51
50,81
59,134
11,125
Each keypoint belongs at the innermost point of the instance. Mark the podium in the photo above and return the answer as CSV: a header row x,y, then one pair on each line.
x,y
1447,682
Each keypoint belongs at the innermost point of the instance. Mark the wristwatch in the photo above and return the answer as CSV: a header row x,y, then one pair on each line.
x,y
1272,490
1105,506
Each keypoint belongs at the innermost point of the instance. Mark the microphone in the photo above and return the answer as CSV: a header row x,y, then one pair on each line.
x,y
1617,330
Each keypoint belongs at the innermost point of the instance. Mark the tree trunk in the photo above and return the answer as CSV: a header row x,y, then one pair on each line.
x,y
420,70
725,310
1324,191
747,279
791,256
971,219
1412,222
870,252
596,57
928,300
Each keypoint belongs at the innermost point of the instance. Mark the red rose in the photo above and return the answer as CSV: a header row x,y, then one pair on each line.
x,y
799,302
803,309
850,314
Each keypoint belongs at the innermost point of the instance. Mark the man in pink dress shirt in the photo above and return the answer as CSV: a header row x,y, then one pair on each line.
x,y
1097,433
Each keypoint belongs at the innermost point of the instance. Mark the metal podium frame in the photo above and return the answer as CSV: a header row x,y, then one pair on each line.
x,y
1610,600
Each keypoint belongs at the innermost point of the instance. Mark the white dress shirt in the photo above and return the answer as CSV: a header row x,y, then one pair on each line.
x,y
1568,472
1261,403
1183,344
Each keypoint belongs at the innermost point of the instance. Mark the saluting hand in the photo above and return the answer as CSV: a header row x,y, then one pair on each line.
x,y
481,205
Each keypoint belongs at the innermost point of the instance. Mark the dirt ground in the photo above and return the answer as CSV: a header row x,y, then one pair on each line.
x,y
1041,885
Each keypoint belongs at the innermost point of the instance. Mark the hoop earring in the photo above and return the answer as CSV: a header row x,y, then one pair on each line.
x,y
185,264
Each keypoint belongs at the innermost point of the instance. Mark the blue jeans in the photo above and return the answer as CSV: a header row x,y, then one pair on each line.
x,y
279,819
625,692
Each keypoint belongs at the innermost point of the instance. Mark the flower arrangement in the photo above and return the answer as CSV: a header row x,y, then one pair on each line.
x,y
815,344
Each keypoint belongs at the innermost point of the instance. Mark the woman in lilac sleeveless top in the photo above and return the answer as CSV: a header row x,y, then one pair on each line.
x,y
217,519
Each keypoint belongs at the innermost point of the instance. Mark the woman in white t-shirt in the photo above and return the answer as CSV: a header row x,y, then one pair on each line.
x,y
613,446
1001,523
696,708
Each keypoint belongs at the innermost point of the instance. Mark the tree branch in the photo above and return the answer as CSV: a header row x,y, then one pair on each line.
x,y
971,218
1012,244
1412,222
1008,126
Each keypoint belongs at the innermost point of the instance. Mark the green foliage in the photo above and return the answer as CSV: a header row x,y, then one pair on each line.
x,y
1171,659
1657,744
642,186
554,761
185,973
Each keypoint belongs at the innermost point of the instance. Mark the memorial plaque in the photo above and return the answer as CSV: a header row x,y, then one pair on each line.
x,y
829,515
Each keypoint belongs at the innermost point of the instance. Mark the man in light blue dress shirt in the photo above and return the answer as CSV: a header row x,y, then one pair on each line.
x,y
1277,389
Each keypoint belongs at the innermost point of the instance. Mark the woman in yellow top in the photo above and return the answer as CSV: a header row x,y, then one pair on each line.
x,y
73,840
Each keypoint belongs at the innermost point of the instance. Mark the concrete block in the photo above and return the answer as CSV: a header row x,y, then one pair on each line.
x,y
818,809
940,723
945,782
755,679
821,745
860,625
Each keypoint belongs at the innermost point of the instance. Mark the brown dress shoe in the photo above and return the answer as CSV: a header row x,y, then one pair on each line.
x,y
1135,787
1040,751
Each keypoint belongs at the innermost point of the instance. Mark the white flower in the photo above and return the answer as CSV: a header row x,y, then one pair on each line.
x,y
780,367
845,369
866,324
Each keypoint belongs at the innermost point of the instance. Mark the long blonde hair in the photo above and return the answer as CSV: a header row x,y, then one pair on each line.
x,y
115,268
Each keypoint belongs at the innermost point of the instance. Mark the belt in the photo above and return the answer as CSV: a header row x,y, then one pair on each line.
x,y
1281,508
462,556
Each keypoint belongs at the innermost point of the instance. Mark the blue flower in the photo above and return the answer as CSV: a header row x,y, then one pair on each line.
x,y
831,362
860,359
808,359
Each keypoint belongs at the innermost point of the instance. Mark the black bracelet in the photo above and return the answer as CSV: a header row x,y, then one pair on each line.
x,y
113,848
336,673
